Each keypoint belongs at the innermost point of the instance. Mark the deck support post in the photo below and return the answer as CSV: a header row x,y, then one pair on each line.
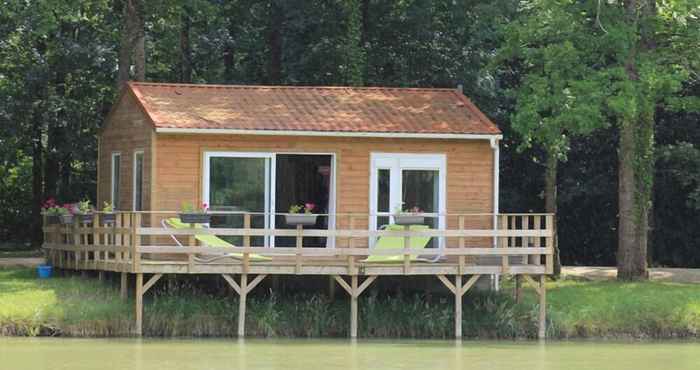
x,y
458,308
139,304
354,290
353,307
542,329
458,290
517,289
242,304
242,289
123,291
331,288
541,290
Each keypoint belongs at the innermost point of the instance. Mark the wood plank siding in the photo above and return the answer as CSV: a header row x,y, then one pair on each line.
x,y
125,131
469,169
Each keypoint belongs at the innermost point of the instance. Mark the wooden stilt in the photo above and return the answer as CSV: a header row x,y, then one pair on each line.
x,y
100,275
353,307
123,293
241,305
542,329
518,289
354,291
331,288
139,304
458,290
458,308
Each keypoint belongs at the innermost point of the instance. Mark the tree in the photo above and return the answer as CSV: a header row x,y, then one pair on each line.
x,y
586,60
559,94
659,43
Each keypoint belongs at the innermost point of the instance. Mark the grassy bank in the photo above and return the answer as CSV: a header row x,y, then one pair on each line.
x,y
85,307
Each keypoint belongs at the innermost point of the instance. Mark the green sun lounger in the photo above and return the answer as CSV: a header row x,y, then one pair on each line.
x,y
397,242
209,240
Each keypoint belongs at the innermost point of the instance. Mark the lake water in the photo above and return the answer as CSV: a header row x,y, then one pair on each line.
x,y
152,354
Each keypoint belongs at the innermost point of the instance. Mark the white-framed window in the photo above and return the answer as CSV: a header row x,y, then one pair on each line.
x,y
137,194
115,179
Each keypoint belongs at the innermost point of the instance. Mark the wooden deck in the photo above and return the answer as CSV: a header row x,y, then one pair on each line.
x,y
523,248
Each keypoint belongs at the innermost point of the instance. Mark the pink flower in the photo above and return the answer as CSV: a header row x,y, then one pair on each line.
x,y
205,206
69,207
309,207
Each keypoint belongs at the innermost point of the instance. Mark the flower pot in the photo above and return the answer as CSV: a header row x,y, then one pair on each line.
x,y
52,219
195,218
108,218
85,218
67,219
408,219
303,219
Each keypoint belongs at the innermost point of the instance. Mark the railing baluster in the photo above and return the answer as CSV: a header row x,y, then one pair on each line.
x,y
461,245
505,263
135,241
300,239
538,240
549,240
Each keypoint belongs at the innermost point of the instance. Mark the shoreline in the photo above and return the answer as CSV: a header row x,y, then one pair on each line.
x,y
579,310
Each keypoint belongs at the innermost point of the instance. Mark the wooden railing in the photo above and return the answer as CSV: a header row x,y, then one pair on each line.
x,y
522,242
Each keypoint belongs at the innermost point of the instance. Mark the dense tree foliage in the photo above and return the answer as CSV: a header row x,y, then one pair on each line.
x,y
555,76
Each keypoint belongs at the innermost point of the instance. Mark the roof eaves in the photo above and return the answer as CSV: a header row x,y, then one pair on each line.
x,y
132,87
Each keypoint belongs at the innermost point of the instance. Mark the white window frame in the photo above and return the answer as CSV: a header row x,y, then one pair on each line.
x,y
114,185
396,163
133,180
270,185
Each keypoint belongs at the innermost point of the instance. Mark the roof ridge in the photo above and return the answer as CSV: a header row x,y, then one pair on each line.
x,y
290,87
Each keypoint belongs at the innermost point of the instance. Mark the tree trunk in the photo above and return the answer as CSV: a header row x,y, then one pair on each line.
x,y
185,45
550,204
274,70
132,43
632,248
635,163
37,181
140,48
364,31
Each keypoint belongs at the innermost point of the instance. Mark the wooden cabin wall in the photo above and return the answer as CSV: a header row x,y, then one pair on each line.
x,y
126,131
178,170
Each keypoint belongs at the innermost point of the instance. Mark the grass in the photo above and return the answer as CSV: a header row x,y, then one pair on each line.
x,y
616,309
21,254
73,306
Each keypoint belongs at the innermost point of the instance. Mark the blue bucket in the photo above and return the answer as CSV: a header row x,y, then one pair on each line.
x,y
44,271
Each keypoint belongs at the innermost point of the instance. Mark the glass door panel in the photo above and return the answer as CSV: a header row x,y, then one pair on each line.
x,y
420,190
383,196
241,185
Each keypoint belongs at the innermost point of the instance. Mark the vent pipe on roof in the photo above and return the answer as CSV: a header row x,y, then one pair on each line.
x,y
460,88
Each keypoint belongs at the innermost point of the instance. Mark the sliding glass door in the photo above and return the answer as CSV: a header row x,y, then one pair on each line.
x,y
267,184
239,183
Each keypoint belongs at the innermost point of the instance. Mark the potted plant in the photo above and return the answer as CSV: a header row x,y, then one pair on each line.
x,y
83,211
301,215
191,215
66,214
108,215
52,211
412,216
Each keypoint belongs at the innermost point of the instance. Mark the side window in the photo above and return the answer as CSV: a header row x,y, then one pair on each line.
x,y
116,177
138,181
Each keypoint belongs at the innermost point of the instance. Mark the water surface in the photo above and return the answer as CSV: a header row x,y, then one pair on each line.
x,y
292,354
